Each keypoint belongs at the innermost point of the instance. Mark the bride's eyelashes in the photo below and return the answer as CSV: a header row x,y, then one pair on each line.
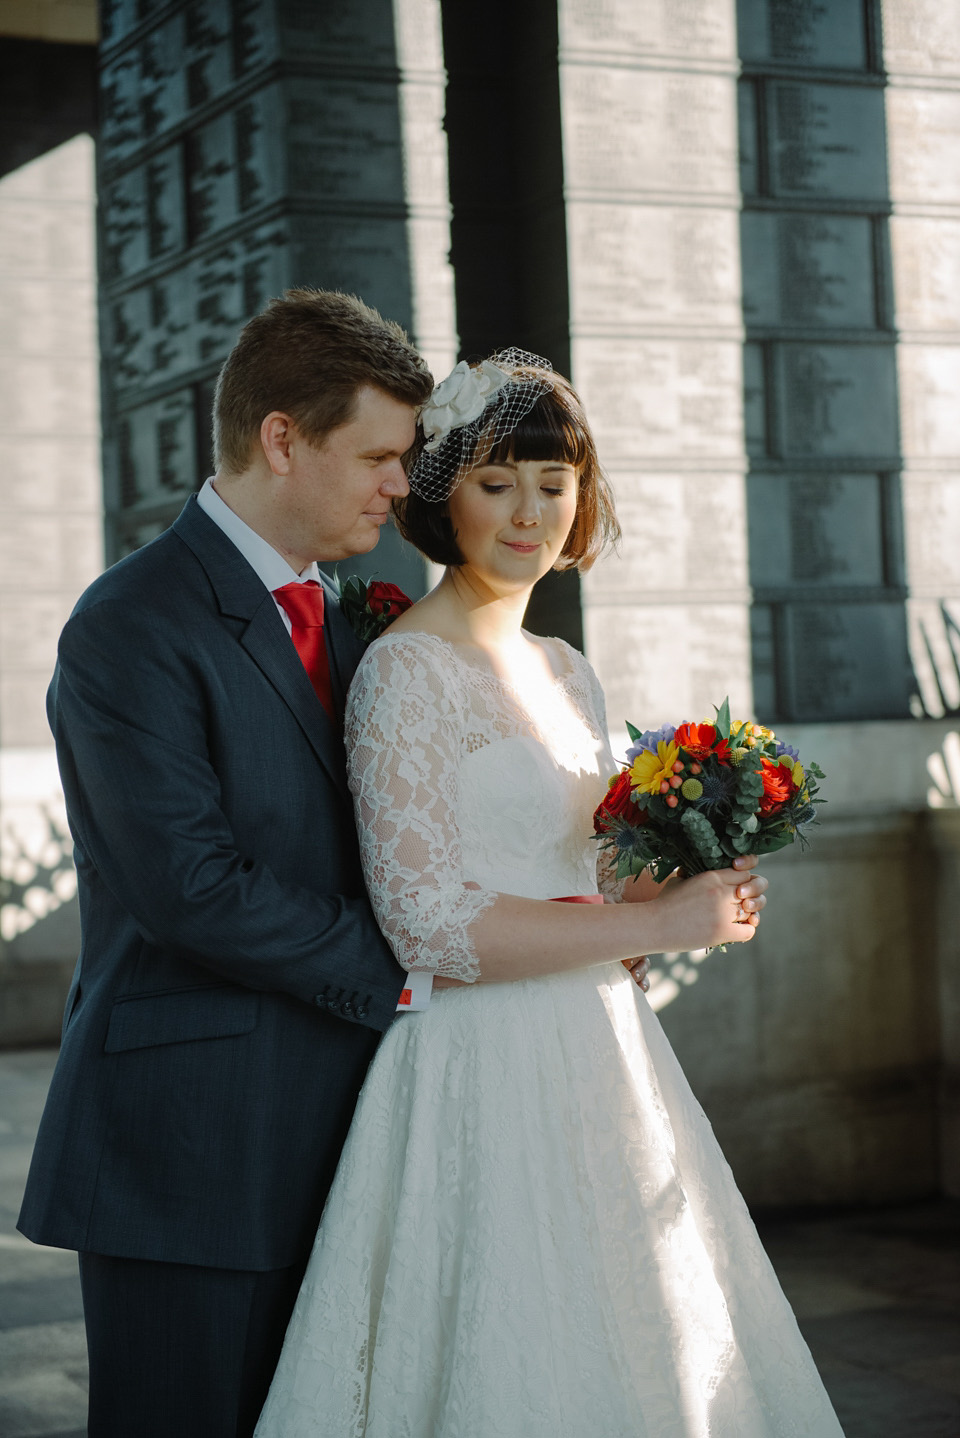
x,y
556,491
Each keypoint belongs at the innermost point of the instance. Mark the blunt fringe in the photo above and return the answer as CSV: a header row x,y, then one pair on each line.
x,y
307,354
556,428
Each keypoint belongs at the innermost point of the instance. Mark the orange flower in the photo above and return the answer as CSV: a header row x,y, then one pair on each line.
x,y
777,785
700,740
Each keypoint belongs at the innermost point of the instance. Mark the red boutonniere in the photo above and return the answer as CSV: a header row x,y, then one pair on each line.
x,y
371,608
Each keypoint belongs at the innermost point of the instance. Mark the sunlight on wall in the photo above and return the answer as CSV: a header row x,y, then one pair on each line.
x,y
943,766
674,972
37,876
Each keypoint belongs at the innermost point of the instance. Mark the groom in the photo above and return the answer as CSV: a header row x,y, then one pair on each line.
x,y
232,982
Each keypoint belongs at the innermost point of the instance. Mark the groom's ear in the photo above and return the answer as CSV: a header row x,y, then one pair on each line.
x,y
276,436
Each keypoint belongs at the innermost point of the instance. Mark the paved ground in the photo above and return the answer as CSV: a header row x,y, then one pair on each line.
x,y
877,1294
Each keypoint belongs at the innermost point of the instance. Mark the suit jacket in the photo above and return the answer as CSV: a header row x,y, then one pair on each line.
x,y
232,982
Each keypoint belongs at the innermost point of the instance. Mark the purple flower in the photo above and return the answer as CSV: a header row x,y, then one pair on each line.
x,y
787,749
650,740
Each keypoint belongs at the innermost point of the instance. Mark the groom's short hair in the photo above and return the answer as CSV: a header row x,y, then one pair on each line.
x,y
307,354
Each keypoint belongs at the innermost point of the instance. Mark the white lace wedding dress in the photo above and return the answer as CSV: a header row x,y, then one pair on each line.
x,y
532,1232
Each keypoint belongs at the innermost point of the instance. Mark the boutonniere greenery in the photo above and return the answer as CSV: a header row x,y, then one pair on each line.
x,y
371,608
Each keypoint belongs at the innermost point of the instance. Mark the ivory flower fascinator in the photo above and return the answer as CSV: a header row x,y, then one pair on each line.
x,y
469,413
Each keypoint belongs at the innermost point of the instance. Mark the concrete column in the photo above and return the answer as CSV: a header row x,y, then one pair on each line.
x,y
648,102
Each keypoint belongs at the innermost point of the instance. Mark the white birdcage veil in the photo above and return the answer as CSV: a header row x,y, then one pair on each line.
x,y
470,413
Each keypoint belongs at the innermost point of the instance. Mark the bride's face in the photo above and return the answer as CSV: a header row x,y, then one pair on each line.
x,y
511,519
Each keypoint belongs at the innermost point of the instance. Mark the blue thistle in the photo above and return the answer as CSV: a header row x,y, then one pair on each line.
x,y
718,785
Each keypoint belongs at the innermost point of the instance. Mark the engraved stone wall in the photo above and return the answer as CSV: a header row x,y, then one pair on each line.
x,y
821,393
648,94
50,545
248,147
922,58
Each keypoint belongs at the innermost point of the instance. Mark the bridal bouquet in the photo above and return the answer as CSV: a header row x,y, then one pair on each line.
x,y
695,796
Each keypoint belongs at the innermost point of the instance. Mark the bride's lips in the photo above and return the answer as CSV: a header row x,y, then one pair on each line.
x,y
522,548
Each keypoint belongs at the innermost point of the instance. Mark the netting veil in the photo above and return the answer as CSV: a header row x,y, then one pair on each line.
x,y
468,415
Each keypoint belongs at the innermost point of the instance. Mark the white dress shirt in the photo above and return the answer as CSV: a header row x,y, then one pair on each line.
x,y
274,571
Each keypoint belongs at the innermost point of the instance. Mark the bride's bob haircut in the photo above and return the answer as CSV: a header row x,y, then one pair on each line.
x,y
555,428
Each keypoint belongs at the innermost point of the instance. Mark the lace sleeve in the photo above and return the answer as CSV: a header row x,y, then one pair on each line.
x,y
403,762
607,882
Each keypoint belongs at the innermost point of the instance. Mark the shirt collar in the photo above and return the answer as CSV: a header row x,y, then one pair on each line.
x,y
266,562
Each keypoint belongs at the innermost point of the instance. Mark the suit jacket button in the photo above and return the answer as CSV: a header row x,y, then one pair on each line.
x,y
362,1011
347,1009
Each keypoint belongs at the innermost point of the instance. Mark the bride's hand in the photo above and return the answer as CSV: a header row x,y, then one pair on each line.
x,y
719,907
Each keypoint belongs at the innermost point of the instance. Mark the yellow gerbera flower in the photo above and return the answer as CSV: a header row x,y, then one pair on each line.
x,y
648,771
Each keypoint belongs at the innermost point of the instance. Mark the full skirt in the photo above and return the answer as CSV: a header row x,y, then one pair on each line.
x,y
533,1234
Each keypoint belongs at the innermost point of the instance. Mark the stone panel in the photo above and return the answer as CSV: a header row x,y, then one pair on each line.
x,y
924,139
810,531
922,36
929,385
649,28
803,32
808,269
636,653
926,272
837,400
847,661
931,512
644,264
655,398
683,534
675,132
827,140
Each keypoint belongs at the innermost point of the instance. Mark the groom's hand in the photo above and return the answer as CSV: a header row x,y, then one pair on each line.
x,y
638,968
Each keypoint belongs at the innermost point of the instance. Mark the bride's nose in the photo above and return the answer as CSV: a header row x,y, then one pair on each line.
x,y
527,509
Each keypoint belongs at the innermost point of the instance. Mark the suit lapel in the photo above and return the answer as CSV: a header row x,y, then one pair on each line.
x,y
241,595
344,649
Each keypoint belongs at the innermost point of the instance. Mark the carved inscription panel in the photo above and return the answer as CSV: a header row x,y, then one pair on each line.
x,y
803,32
808,269
816,529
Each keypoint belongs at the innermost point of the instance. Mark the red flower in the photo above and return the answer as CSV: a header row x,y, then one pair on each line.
x,y
386,601
777,785
617,803
700,741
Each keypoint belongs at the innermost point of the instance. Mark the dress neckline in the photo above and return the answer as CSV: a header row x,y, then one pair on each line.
x,y
486,671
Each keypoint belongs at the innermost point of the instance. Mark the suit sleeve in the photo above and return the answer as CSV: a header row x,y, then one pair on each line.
x,y
127,707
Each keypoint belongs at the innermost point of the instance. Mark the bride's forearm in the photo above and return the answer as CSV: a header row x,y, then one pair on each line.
x,y
520,938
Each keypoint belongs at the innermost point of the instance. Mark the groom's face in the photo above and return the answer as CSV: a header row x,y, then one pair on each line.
x,y
337,495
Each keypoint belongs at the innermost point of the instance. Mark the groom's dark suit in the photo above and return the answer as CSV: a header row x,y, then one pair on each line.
x,y
232,982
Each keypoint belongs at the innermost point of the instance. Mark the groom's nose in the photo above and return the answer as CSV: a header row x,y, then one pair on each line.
x,y
394,482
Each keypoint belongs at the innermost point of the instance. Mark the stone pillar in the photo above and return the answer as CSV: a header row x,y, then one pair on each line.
x,y
826,563
245,149
921,52
50,549
649,120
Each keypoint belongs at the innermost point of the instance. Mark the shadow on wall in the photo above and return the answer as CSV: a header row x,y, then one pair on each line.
x,y
935,650
39,927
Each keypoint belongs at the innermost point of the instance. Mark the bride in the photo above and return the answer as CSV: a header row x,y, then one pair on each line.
x,y
532,1232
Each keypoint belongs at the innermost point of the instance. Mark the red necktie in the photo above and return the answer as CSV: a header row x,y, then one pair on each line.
x,y
304,605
